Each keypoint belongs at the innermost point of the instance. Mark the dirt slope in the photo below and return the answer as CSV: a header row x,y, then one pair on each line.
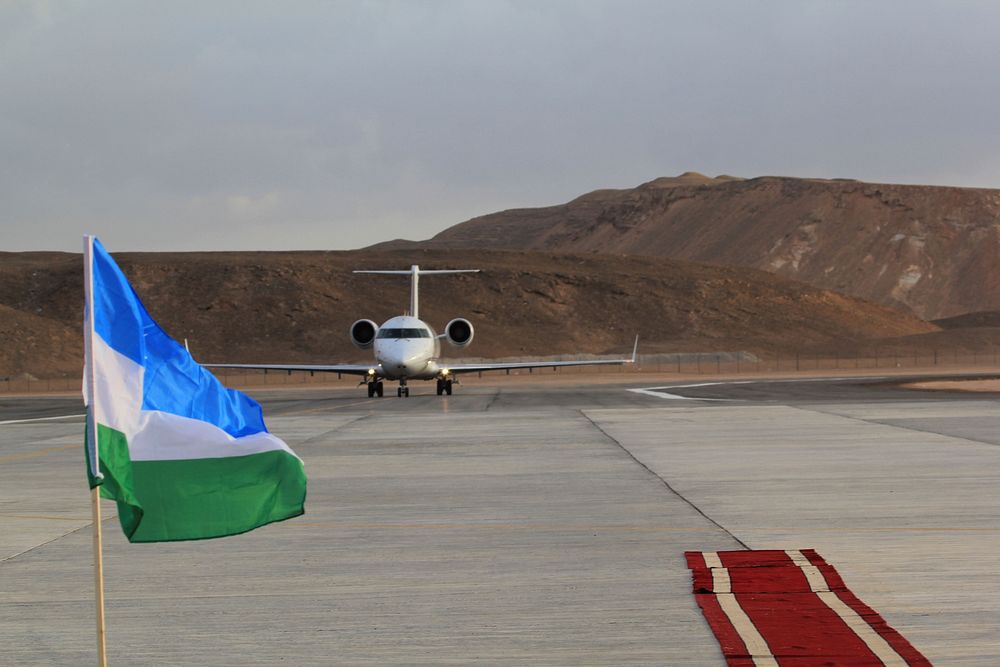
x,y
933,250
297,306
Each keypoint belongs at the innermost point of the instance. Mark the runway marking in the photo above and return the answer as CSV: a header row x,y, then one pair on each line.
x,y
635,529
659,393
655,391
39,419
23,456
791,605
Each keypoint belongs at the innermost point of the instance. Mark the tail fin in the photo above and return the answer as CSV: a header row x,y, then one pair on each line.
x,y
415,272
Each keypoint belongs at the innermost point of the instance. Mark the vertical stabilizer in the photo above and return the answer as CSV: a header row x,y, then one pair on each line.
x,y
414,291
415,272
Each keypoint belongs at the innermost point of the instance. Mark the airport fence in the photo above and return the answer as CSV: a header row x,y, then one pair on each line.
x,y
686,363
739,363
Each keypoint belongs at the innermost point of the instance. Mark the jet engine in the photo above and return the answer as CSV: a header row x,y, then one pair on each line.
x,y
459,332
363,333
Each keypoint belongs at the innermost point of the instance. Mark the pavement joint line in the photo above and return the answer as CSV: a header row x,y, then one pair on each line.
x,y
324,409
489,526
899,426
663,481
493,399
39,419
55,539
621,528
311,439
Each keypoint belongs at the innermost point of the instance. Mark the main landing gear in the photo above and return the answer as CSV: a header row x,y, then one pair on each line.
x,y
376,388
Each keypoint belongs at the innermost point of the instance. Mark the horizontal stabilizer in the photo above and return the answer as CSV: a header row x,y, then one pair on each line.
x,y
415,272
420,272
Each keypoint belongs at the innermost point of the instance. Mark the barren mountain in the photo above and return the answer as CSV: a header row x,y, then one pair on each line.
x,y
933,250
297,306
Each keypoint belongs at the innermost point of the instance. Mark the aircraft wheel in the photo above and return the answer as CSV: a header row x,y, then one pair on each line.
x,y
447,387
440,387
399,392
379,389
406,392
371,389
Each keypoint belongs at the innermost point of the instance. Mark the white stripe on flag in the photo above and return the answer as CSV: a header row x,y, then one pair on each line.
x,y
153,435
118,389
165,437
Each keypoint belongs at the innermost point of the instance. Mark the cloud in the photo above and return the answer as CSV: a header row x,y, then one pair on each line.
x,y
334,125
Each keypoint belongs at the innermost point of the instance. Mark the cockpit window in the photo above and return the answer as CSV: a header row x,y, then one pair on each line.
x,y
404,333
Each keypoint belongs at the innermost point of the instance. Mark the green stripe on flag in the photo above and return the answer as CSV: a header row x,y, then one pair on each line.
x,y
196,499
116,466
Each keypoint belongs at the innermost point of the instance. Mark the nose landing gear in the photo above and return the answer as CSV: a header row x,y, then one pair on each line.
x,y
403,390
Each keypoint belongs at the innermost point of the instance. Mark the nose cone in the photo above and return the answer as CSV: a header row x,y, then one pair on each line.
x,y
401,360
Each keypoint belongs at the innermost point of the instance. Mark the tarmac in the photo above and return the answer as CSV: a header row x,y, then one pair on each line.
x,y
522,523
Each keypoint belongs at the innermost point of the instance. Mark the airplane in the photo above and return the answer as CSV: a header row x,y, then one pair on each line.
x,y
407,348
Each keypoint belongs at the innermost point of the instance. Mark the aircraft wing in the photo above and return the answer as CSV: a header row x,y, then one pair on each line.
x,y
472,368
347,369
500,366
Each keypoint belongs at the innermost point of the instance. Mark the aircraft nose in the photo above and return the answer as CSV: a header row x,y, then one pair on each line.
x,y
402,363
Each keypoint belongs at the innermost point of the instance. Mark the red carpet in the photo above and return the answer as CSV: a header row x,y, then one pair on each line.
x,y
791,608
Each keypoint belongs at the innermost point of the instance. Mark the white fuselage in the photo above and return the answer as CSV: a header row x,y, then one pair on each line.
x,y
407,348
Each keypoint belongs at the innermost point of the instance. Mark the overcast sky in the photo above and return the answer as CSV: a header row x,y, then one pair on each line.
x,y
334,125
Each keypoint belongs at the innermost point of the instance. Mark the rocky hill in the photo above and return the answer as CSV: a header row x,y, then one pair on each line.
x,y
297,306
932,250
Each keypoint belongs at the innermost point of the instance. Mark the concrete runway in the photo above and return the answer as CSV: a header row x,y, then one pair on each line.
x,y
517,523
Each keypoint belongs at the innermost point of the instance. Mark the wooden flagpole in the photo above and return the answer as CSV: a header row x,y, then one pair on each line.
x,y
102,649
90,385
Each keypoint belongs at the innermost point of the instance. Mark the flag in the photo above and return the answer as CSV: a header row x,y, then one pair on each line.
x,y
184,457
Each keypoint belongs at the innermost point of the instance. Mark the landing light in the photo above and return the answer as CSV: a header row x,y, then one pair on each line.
x,y
445,371
371,371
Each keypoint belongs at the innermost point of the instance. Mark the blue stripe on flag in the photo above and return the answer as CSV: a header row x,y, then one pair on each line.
x,y
173,381
118,310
